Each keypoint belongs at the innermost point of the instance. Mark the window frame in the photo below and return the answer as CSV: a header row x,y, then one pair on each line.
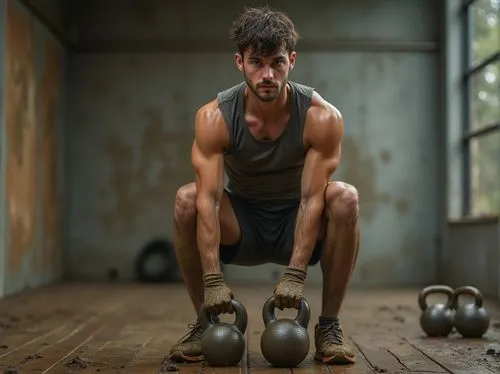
x,y
469,71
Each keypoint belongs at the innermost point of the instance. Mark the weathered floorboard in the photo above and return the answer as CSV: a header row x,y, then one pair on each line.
x,y
443,352
129,328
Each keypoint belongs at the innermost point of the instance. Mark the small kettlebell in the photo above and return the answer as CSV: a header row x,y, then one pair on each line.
x,y
285,342
436,320
471,319
222,343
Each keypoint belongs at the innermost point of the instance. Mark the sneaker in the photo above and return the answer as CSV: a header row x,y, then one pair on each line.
x,y
188,348
330,345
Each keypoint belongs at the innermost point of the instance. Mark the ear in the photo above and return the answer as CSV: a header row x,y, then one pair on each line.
x,y
292,57
238,58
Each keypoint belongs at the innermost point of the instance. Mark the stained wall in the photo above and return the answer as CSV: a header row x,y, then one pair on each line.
x,y
32,85
3,142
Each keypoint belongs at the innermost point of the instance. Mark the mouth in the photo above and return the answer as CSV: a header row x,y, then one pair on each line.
x,y
268,86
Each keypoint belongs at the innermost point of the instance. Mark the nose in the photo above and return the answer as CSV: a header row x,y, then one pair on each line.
x,y
268,74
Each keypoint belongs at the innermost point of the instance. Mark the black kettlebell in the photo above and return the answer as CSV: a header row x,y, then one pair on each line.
x,y
436,320
471,319
285,342
222,343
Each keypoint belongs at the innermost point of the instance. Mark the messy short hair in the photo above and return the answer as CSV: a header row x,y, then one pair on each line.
x,y
263,30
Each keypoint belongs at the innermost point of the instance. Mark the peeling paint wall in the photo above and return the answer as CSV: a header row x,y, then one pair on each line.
x,y
3,142
131,111
33,83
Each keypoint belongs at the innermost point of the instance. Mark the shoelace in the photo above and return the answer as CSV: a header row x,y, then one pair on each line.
x,y
194,334
333,333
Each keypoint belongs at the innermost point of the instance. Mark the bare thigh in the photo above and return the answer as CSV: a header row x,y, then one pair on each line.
x,y
229,226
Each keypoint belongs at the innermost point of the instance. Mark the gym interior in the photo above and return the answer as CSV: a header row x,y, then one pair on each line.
x,y
97,105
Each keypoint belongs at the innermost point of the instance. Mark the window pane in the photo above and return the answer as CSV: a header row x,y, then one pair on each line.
x,y
485,96
484,174
484,31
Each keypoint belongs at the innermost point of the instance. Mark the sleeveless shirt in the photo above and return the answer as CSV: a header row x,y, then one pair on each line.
x,y
262,170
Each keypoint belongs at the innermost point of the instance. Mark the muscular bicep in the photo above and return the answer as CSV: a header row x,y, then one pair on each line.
x,y
324,152
207,156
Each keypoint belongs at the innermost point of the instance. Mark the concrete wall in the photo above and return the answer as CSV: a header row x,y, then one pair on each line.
x,y
32,86
142,70
472,257
471,250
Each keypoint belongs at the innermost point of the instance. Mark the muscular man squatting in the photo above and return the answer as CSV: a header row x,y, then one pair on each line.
x,y
279,143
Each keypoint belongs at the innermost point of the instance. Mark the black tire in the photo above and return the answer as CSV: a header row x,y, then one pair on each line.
x,y
163,250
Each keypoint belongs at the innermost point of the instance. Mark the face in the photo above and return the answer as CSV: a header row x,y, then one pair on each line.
x,y
266,76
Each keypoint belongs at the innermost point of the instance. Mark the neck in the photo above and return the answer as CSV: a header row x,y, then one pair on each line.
x,y
267,109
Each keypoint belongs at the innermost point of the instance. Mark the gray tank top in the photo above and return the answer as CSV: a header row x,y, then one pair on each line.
x,y
259,170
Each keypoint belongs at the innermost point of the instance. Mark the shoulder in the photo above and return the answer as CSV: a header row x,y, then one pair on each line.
x,y
323,120
209,114
230,93
302,89
210,129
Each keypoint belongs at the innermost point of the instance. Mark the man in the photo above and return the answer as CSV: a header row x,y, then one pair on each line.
x,y
279,143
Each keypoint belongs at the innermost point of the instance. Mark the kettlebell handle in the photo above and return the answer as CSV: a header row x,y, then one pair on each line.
x,y
240,321
437,288
303,313
468,290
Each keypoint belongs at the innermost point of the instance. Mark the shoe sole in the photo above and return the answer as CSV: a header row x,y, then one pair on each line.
x,y
180,358
336,359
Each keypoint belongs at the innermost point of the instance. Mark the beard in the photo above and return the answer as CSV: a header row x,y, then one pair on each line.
x,y
266,94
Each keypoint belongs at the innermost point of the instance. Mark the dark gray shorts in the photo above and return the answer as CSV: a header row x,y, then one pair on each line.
x,y
267,234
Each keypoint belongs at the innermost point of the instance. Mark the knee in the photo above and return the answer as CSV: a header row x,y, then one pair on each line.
x,y
185,203
342,202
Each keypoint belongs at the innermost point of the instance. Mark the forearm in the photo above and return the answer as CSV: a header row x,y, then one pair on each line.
x,y
208,235
308,223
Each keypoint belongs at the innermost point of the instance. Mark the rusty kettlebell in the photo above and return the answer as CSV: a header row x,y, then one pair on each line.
x,y
471,319
222,343
285,342
436,320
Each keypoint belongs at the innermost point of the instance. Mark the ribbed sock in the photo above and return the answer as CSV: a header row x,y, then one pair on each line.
x,y
325,321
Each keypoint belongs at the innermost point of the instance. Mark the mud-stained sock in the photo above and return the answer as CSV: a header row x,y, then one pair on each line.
x,y
325,321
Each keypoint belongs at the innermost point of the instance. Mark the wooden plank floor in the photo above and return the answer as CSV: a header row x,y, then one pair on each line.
x,y
129,328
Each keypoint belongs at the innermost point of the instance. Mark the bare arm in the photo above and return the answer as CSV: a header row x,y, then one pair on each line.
x,y
207,160
324,131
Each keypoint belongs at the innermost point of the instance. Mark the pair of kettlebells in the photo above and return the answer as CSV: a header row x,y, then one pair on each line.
x,y
284,342
471,320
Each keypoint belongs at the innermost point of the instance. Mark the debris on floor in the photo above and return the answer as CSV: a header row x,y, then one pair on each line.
x,y
78,362
11,371
168,366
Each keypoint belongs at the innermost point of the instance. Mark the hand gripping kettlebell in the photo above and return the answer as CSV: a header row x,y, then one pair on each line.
x,y
285,342
436,320
222,343
471,319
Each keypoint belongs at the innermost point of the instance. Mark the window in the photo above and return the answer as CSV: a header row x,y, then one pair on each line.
x,y
482,108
